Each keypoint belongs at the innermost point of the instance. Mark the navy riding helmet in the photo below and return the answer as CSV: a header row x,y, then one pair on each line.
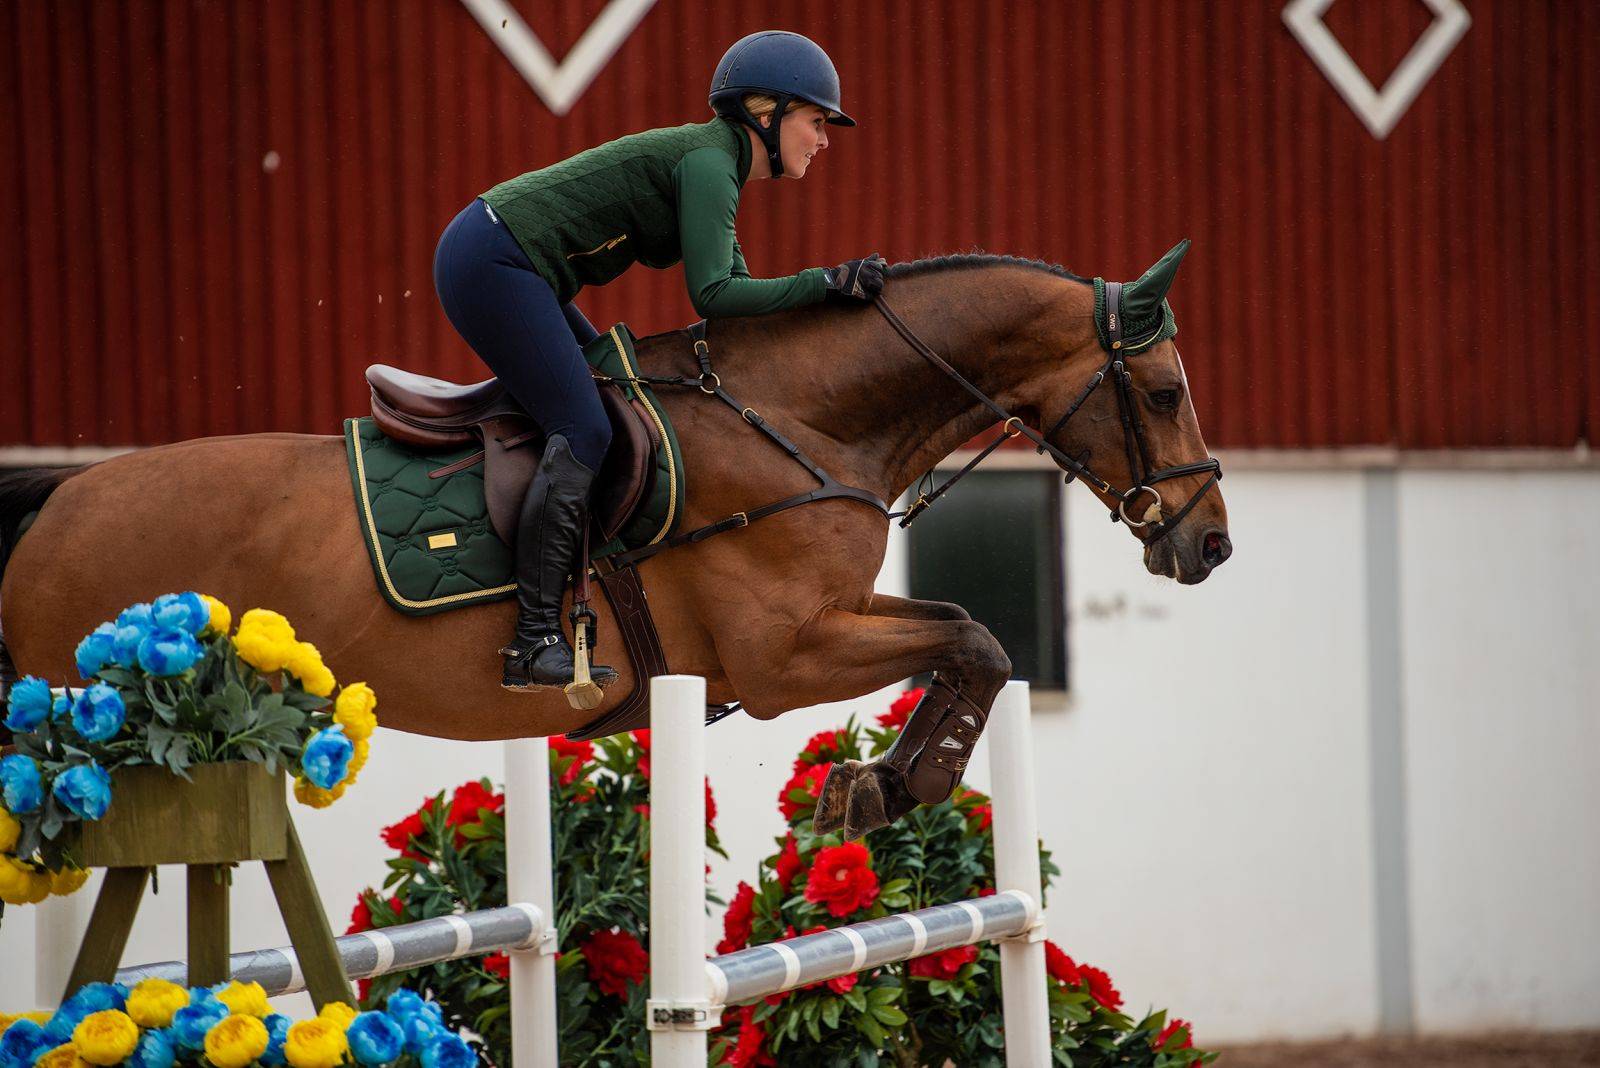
x,y
782,65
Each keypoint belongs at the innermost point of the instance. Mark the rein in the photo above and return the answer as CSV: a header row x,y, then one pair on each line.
x,y
1145,479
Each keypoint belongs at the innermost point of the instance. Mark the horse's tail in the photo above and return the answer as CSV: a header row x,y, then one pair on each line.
x,y
22,493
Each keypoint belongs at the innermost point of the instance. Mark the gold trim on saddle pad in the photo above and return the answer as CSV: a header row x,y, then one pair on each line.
x,y
666,442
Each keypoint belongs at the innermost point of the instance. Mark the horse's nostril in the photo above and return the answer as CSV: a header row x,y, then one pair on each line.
x,y
1217,548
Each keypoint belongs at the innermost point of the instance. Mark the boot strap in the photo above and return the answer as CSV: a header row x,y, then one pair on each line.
x,y
532,650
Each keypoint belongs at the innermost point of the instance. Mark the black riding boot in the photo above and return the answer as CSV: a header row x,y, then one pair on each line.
x,y
554,514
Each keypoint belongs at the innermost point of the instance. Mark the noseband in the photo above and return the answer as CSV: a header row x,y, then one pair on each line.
x,y
1152,526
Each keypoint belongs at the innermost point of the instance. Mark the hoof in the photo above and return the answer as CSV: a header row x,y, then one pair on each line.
x,y
831,805
866,810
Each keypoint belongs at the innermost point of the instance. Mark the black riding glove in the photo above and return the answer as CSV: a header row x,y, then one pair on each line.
x,y
857,280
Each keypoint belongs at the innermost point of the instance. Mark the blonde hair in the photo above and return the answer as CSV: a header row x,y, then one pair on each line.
x,y
759,104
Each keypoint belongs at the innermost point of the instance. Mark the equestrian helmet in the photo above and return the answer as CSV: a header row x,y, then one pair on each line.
x,y
782,65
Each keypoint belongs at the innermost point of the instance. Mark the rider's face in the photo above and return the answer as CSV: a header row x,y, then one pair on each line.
x,y
805,133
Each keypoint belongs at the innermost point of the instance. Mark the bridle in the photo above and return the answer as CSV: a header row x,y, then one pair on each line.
x,y
1152,525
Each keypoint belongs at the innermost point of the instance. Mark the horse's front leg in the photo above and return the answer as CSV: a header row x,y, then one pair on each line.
x,y
838,655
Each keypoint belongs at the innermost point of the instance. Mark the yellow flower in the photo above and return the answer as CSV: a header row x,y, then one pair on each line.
x,y
221,618
318,1043
68,881
152,1002
308,793
358,760
11,830
265,640
245,999
305,663
22,884
354,711
238,1040
107,1037
62,1057
338,1012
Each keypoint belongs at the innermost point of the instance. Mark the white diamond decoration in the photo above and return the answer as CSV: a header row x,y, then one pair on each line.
x,y
1382,108
559,85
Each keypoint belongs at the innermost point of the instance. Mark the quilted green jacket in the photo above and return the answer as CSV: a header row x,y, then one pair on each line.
x,y
654,198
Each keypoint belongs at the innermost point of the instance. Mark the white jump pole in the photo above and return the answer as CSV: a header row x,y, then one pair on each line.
x,y
529,867
678,1013
1016,868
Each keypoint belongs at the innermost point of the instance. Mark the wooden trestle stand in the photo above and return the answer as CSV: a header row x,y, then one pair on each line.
x,y
230,812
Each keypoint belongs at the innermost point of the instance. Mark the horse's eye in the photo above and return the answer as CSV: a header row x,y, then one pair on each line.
x,y
1165,399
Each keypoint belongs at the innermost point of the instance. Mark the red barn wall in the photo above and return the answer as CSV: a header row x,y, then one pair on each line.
x,y
1436,289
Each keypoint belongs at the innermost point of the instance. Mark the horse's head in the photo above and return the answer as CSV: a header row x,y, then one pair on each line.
x,y
1125,421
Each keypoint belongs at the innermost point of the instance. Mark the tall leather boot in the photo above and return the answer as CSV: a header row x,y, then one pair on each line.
x,y
554,514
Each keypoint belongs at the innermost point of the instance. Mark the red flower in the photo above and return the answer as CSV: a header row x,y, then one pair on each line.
x,y
750,1051
363,988
810,780
360,916
468,803
615,959
788,865
981,815
736,922
498,964
711,806
900,711
641,808
1100,987
399,835
580,752
1172,1029
824,747
1060,966
945,964
642,737
842,878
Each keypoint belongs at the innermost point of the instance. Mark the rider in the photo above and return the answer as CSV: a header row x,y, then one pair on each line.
x,y
509,265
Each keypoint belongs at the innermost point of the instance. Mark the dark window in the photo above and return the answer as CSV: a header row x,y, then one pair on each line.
x,y
993,545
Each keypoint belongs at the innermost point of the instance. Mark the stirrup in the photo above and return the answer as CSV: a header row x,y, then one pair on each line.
x,y
582,692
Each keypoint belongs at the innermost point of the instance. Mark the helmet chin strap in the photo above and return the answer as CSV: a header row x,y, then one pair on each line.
x,y
771,136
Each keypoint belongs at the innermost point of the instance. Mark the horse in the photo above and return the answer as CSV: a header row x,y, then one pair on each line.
x,y
778,615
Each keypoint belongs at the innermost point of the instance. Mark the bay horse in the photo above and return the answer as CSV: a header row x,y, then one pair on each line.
x,y
778,615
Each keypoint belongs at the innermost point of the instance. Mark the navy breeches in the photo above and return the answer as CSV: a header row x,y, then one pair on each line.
x,y
508,313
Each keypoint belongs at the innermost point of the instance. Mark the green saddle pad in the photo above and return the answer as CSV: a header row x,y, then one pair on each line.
x,y
430,541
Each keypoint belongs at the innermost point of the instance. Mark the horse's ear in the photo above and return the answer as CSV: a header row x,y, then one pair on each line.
x,y
1143,297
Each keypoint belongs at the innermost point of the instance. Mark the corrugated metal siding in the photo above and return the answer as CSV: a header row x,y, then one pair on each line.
x,y
216,214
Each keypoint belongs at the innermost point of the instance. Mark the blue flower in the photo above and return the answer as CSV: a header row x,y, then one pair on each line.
x,y
450,1051
61,707
85,790
27,704
20,1042
97,650
180,611
277,1035
190,1024
422,1031
168,652
375,1038
157,1049
21,784
404,1004
137,615
97,997
98,712
125,646
327,757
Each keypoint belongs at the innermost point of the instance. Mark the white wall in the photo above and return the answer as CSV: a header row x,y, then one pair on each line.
x,y
1208,786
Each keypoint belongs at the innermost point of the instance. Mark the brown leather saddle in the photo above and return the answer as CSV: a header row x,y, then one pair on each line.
x,y
432,413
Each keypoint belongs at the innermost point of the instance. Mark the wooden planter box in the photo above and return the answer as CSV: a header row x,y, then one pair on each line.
x,y
228,812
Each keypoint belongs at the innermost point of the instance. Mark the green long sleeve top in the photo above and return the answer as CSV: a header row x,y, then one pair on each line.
x,y
656,198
